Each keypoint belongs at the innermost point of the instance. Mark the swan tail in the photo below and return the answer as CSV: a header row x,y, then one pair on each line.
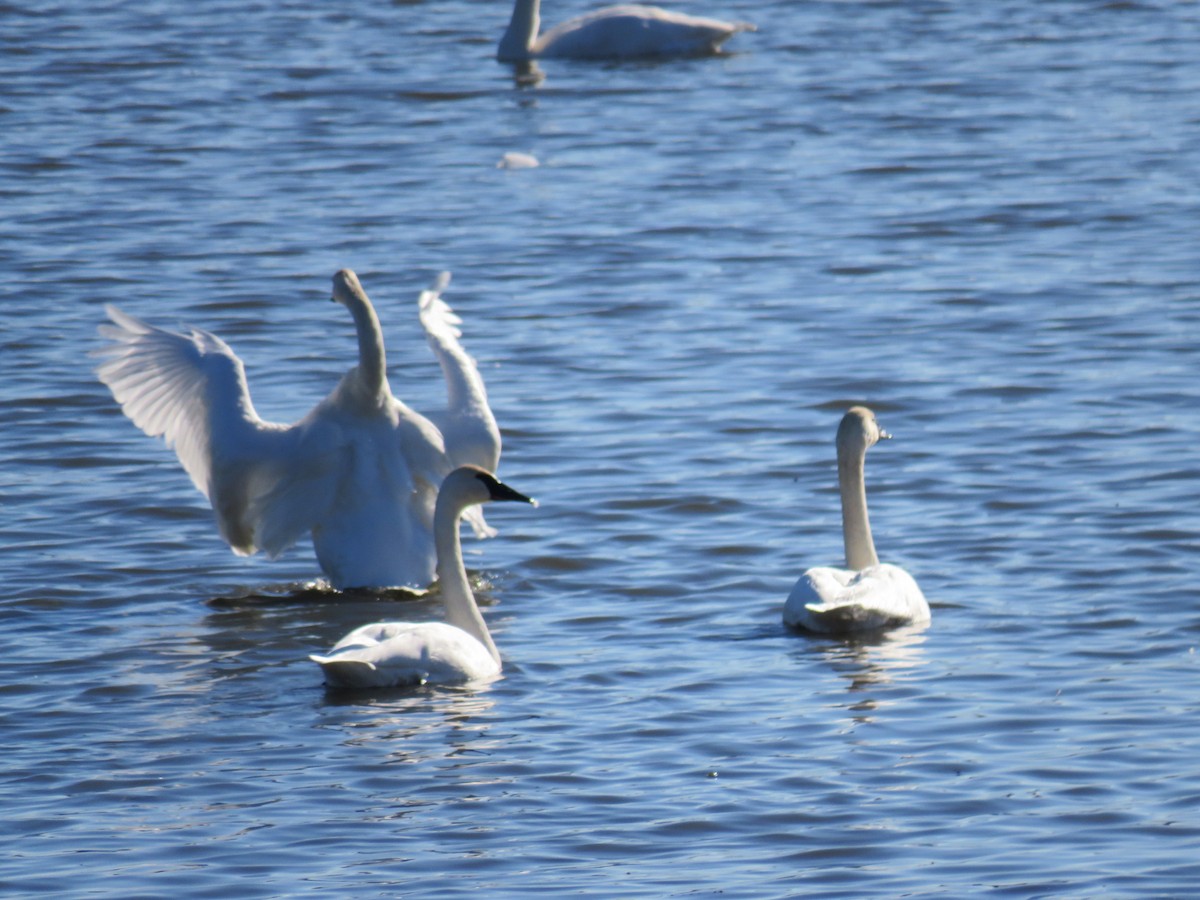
x,y
836,618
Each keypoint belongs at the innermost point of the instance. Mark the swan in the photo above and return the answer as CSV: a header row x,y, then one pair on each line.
x,y
866,595
394,654
360,472
615,32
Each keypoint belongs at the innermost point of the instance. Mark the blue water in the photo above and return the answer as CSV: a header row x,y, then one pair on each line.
x,y
980,219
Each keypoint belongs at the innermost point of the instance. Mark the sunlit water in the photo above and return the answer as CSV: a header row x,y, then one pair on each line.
x,y
978,218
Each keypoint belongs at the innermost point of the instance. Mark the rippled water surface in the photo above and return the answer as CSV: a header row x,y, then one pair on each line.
x,y
978,218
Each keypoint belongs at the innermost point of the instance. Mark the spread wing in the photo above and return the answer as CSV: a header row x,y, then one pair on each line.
x,y
468,426
267,483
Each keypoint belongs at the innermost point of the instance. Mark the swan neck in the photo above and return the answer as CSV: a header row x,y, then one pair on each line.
x,y
461,609
372,359
522,31
856,528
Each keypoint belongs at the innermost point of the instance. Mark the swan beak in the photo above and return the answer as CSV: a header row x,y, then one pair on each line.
x,y
502,491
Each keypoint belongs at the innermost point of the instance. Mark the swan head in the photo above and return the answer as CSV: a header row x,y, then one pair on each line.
x,y
859,430
346,288
469,485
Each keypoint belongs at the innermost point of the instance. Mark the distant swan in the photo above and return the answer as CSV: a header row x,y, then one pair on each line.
x,y
615,32
866,595
394,654
360,471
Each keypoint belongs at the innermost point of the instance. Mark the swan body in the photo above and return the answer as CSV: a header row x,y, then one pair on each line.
x,y
866,595
360,472
395,654
615,32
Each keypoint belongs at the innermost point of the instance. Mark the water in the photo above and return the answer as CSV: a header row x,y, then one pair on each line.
x,y
977,218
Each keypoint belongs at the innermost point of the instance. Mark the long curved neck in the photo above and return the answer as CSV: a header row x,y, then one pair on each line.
x,y
461,610
522,30
372,361
856,529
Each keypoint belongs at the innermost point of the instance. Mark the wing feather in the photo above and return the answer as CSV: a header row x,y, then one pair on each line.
x,y
468,427
191,391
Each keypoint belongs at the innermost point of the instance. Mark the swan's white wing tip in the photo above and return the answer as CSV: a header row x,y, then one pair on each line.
x,y
435,290
437,318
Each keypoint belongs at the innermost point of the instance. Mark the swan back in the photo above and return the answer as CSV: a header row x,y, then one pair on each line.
x,y
842,601
618,32
631,32
398,654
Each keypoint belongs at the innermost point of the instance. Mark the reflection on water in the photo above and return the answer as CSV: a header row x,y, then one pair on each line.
x,y
885,657
527,74
871,664
453,716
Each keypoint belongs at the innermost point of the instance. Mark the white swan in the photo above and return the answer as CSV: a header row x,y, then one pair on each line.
x,y
866,595
360,471
615,32
393,654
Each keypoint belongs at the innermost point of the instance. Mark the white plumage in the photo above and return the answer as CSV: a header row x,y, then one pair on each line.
x,y
866,595
615,32
360,472
393,654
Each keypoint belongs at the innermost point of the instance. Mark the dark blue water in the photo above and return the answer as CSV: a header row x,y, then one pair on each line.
x,y
980,219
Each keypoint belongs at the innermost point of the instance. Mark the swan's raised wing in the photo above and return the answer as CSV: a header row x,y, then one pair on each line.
x,y
468,427
267,483
172,386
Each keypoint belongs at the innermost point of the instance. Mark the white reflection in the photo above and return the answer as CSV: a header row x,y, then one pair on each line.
x,y
870,664
409,722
